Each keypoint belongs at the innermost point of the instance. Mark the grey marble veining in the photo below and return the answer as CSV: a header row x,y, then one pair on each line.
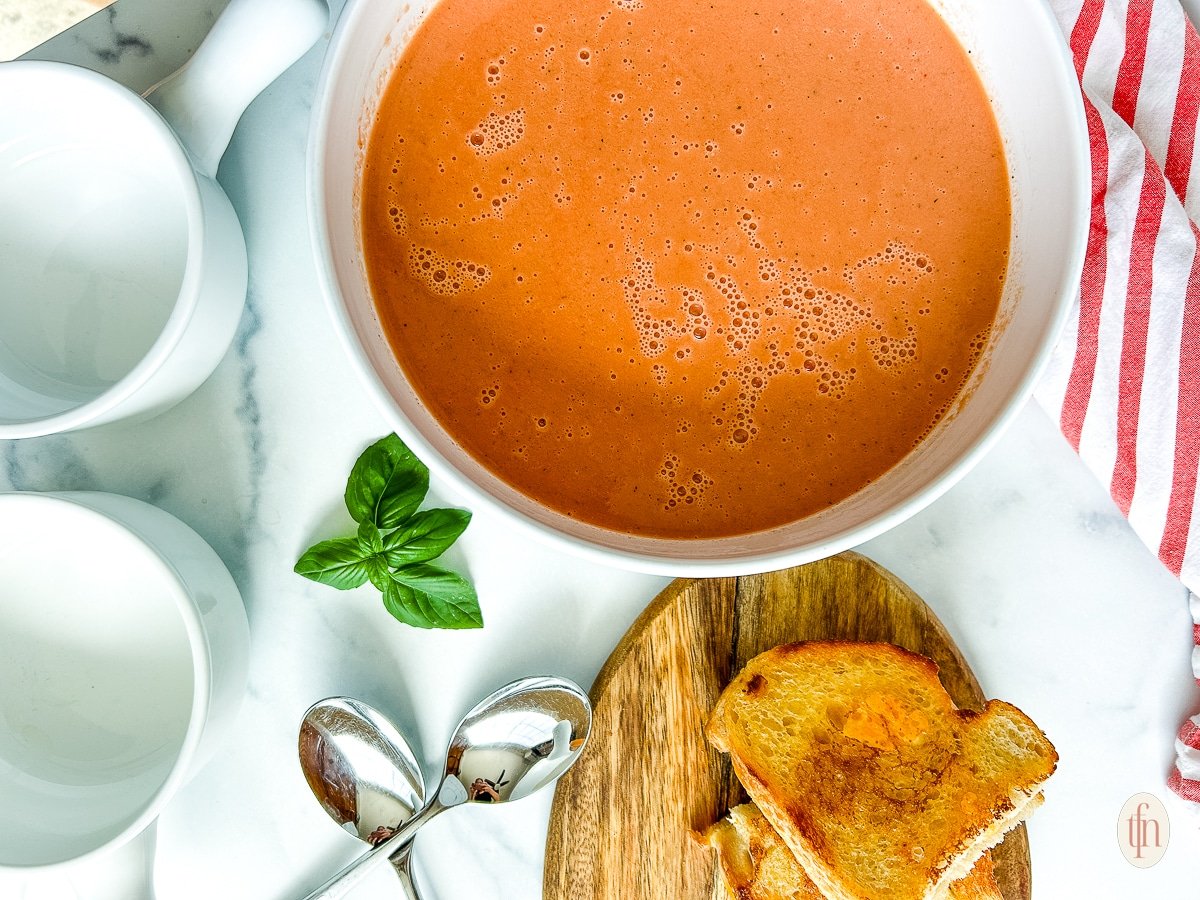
x,y
135,42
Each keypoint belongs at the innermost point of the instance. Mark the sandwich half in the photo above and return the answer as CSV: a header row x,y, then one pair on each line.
x,y
859,760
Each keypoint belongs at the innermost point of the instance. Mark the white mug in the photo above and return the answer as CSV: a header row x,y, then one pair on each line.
x,y
122,263
124,651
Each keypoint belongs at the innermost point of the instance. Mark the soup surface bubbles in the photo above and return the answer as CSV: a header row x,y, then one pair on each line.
x,y
686,270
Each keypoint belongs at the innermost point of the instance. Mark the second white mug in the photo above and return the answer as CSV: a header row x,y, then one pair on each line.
x,y
123,662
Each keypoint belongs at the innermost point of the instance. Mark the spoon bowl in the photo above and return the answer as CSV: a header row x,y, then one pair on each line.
x,y
363,773
514,742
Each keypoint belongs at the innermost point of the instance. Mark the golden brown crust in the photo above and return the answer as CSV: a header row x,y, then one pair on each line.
x,y
979,884
858,758
753,863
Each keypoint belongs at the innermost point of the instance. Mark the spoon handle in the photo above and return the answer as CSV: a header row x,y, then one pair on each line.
x,y
345,881
402,863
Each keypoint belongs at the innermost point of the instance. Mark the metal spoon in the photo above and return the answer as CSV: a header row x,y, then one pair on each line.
x,y
363,773
514,742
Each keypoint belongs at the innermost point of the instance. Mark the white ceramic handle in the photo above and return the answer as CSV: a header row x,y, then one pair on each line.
x,y
251,44
126,873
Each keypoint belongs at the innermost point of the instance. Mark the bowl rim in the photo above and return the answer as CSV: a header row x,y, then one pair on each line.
x,y
657,564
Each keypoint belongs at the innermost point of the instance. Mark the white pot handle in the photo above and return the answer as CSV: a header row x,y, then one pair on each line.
x,y
251,44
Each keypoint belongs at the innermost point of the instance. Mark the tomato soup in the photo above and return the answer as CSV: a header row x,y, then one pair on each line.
x,y
679,269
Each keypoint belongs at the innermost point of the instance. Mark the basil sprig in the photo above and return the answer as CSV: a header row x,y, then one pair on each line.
x,y
395,543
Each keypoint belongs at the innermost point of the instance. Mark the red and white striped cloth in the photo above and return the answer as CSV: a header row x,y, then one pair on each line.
x,y
1125,378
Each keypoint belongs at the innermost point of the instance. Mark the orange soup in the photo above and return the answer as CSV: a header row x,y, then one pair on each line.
x,y
683,269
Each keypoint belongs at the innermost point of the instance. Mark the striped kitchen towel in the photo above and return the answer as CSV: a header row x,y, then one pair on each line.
x,y
1124,381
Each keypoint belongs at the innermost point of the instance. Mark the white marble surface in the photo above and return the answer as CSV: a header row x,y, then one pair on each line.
x,y
1052,598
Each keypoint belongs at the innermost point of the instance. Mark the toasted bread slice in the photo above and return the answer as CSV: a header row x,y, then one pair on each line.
x,y
878,785
753,863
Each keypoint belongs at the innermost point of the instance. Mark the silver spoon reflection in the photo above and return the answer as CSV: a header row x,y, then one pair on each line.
x,y
363,773
514,742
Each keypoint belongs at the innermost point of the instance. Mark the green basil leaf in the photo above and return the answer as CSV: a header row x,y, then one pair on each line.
x,y
377,571
426,596
370,538
387,484
425,536
339,563
401,601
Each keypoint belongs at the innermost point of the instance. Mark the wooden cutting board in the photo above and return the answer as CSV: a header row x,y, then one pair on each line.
x,y
619,828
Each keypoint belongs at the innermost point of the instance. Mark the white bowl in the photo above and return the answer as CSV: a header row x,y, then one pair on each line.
x,y
1025,66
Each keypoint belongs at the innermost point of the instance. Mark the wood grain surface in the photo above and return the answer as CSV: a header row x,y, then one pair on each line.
x,y
622,822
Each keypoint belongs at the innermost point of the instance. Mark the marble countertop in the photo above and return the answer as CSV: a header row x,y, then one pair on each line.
x,y
1054,601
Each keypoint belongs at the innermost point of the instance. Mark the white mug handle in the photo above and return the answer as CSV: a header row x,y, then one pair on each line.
x,y
250,45
124,873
